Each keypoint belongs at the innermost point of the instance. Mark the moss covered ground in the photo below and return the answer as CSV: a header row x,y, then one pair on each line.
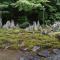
x,y
18,38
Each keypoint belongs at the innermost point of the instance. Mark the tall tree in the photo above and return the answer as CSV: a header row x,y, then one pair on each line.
x,y
29,4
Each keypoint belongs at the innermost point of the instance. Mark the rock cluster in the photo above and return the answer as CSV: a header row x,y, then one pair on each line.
x,y
34,27
9,24
56,26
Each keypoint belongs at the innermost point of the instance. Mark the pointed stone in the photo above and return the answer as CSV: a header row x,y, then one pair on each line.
x,y
38,24
0,22
7,25
35,26
12,24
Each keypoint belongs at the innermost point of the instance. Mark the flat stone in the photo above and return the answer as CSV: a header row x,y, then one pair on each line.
x,y
24,49
56,51
35,48
44,53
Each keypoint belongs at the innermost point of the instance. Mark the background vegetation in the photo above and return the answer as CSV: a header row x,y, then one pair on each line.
x,y
30,10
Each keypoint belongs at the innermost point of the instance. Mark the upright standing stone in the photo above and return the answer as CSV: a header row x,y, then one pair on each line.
x,y
56,26
38,25
0,22
7,25
0,19
17,25
12,24
35,26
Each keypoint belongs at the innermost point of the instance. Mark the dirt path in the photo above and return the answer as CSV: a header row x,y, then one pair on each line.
x,y
9,55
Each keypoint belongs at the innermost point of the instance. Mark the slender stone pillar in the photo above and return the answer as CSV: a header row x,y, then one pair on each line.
x,y
0,19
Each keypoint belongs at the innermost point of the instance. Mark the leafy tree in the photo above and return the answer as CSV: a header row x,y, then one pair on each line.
x,y
32,10
29,4
5,3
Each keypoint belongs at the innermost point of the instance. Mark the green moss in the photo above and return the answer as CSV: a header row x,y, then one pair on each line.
x,y
17,36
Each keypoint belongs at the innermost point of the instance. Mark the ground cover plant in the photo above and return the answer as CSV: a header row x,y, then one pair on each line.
x,y
18,39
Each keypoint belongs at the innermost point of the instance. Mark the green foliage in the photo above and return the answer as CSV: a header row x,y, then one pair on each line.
x,y
19,36
6,3
3,6
29,4
51,13
22,19
57,15
24,25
